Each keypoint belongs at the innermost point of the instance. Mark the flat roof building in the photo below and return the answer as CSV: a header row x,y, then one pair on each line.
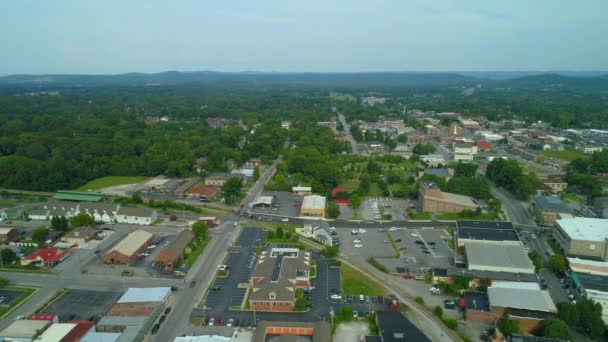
x,y
529,307
313,206
502,231
583,237
393,326
126,250
547,208
80,196
292,331
431,199
24,330
497,257
56,332
173,253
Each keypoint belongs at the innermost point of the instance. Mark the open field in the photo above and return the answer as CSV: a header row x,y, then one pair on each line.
x,y
343,97
350,185
353,282
567,155
105,182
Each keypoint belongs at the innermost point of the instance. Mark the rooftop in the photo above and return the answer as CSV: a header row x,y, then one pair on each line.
x,y
139,212
313,202
145,294
321,331
518,298
476,301
584,228
88,196
94,336
486,230
24,328
276,272
395,327
493,256
5,230
552,203
48,254
591,281
430,185
56,332
442,172
130,244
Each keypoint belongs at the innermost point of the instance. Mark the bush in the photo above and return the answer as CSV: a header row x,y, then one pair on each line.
x,y
4,282
270,235
438,311
451,323
419,300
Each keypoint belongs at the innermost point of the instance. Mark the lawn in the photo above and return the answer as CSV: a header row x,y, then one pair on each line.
x,y
421,216
354,283
343,97
196,252
28,291
374,190
568,196
566,155
6,203
350,185
105,182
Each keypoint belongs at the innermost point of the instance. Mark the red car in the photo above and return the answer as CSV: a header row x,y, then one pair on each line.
x,y
398,240
8,222
218,320
408,276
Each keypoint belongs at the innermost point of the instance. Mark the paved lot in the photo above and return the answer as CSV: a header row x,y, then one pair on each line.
x,y
372,207
82,305
10,296
423,256
289,204
351,331
375,243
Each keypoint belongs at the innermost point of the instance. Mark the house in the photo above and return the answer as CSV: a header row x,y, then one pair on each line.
x,y
583,237
47,256
376,147
246,173
319,331
302,190
286,124
38,214
80,236
432,199
277,275
319,232
547,208
125,252
141,216
253,163
433,160
484,145
173,253
393,326
11,213
217,122
101,212
600,205
203,194
313,206
8,234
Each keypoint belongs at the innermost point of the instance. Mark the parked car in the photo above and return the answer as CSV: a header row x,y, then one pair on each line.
x,y
211,321
398,240
230,322
449,304
392,229
162,319
155,328
355,314
167,310
192,283
218,320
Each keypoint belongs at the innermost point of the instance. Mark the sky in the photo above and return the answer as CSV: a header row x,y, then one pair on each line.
x,y
117,36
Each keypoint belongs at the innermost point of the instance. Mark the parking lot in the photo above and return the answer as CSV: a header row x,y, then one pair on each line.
x,y
373,208
288,204
425,248
374,241
82,305
8,296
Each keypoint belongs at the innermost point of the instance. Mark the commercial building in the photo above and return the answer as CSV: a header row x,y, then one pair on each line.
x,y
8,234
395,327
77,334
547,208
80,196
319,232
203,194
56,332
125,252
528,306
432,199
80,236
292,331
496,257
173,253
141,216
583,237
218,179
302,190
600,205
476,307
470,231
555,183
313,206
47,256
24,330
279,272
265,202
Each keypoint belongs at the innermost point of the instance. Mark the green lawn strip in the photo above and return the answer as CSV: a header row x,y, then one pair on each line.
x,y
197,251
574,197
105,182
566,155
374,190
24,269
421,216
392,241
354,282
6,203
458,216
28,292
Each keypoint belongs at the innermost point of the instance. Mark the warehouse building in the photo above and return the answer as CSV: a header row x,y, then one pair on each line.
x,y
583,237
313,206
173,253
56,332
547,208
292,331
24,330
125,251
141,216
502,231
496,257
526,304
80,196
432,200
279,272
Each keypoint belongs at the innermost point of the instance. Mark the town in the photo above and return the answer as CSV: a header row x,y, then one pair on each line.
x,y
415,225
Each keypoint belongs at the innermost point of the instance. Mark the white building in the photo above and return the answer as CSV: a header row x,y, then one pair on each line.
x,y
495,256
583,237
141,216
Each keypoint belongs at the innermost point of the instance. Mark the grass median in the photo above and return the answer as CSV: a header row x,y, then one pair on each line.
x,y
27,293
197,251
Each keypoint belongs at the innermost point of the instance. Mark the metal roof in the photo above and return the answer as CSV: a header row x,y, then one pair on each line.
x,y
517,298
146,294
130,244
584,228
489,256
552,203
56,332
88,196
313,202
24,328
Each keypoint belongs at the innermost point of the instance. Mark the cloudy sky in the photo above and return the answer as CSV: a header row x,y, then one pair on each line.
x,y
109,36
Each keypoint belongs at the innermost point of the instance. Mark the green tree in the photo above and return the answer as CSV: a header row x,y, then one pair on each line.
x,y
331,252
558,263
200,230
463,169
355,201
438,311
568,313
333,211
555,328
270,235
39,235
537,260
256,173
136,198
301,304
4,282
8,256
231,190
590,317
508,326
82,219
280,233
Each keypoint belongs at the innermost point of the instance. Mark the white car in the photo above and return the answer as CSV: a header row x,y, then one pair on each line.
x,y
533,236
358,245
285,220
357,240
151,246
230,322
392,229
332,228
414,234
336,296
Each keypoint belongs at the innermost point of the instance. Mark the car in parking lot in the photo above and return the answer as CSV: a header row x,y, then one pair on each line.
x,y
449,304
218,320
357,240
358,245
419,242
398,240
432,243
426,251
355,314
192,283
392,229
230,322
414,234
211,321
155,328
162,319
167,310
361,298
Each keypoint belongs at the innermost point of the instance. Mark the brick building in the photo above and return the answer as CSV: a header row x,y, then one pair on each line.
x,y
125,252
432,199
8,234
173,253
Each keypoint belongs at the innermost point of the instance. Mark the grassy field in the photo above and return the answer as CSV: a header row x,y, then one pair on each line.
x,y
570,197
421,216
374,190
567,155
105,182
354,283
6,203
350,185
343,97
197,251
28,291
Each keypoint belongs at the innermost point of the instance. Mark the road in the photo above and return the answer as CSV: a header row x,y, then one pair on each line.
x,y
442,150
547,170
349,137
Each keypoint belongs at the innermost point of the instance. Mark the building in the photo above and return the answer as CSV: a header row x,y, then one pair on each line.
x,y
484,145
395,327
455,129
547,208
319,232
173,253
79,196
592,286
432,199
203,194
125,252
101,212
476,307
465,148
11,213
217,179
8,234
433,160
277,275
141,216
600,205
292,331
38,214
81,329
583,237
253,163
556,183
588,149
528,306
494,256
301,190
80,236
313,206
24,330
532,338
56,332
439,172
265,202
47,256
471,231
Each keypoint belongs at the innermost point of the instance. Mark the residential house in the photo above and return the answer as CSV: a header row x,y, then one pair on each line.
x,y
8,234
47,256
101,212
556,183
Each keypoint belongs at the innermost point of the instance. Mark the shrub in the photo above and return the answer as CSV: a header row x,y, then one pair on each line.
x,y
419,300
451,323
438,311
